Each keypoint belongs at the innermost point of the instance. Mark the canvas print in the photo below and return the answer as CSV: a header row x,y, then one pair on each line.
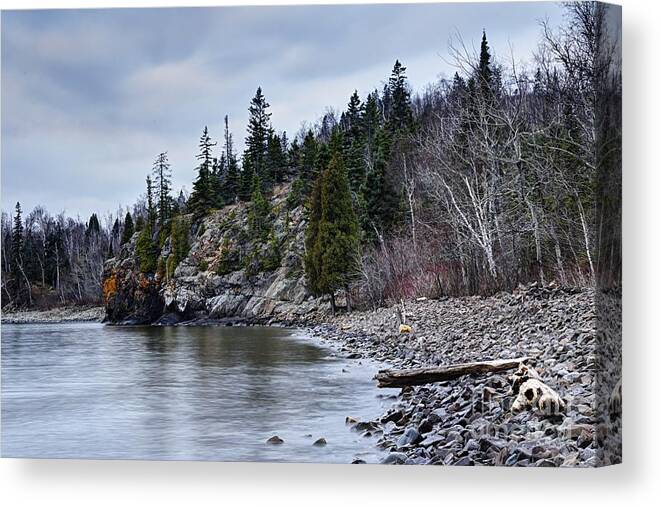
x,y
358,234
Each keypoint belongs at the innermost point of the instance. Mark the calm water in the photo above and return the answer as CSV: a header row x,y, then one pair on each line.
x,y
206,393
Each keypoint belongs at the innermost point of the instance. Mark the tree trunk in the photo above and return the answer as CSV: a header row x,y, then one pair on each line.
x,y
348,297
419,376
332,302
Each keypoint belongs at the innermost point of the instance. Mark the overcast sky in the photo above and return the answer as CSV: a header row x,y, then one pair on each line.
x,y
90,97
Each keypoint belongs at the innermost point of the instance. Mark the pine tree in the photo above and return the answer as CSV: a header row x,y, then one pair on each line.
x,y
202,198
400,118
312,259
484,70
259,213
145,247
337,238
354,147
151,210
275,161
308,157
93,226
180,244
163,181
128,231
231,181
381,201
146,251
259,124
17,237
371,122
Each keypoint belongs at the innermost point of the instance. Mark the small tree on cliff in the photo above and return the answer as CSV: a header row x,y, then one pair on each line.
x,y
163,181
334,252
202,198
180,244
129,229
145,247
259,213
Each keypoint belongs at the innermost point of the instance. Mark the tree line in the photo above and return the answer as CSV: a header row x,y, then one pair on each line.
x,y
476,184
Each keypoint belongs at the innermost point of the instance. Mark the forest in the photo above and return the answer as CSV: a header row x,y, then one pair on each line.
x,y
477,183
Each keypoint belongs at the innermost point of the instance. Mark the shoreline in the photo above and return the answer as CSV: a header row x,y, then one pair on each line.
x,y
58,315
467,421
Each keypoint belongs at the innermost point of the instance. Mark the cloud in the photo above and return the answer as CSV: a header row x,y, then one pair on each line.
x,y
90,97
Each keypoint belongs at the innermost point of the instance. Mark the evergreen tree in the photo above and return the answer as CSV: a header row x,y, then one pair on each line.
x,y
259,125
128,231
231,181
145,247
93,226
381,201
400,117
338,228
217,177
146,251
312,259
163,181
259,213
248,175
354,146
484,70
308,157
17,237
371,122
332,232
202,198
151,210
180,244
275,161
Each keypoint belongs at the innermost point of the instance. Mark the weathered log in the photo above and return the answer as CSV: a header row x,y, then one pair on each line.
x,y
419,376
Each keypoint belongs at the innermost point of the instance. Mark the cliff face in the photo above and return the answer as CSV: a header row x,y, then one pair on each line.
x,y
231,271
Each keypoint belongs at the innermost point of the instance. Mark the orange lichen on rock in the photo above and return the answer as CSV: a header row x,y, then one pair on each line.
x,y
109,287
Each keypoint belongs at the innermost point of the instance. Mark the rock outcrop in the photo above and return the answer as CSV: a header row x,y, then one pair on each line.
x,y
229,273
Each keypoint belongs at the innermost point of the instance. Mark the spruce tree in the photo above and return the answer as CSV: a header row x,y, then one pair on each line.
x,y
231,181
259,124
128,231
180,244
484,68
17,236
400,117
381,200
275,161
259,213
354,146
163,180
202,198
312,259
151,210
146,248
337,238
308,157
93,226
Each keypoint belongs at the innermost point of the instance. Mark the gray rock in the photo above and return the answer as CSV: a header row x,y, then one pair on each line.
x,y
394,458
410,436
275,440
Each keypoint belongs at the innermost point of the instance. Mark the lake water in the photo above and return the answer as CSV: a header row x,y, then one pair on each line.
x,y
181,393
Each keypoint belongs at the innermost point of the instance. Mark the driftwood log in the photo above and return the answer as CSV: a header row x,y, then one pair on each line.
x,y
419,376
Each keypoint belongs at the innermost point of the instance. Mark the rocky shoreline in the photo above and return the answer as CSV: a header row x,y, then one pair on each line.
x,y
467,421
55,315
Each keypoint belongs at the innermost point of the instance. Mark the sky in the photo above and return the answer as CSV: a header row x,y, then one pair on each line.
x,y
90,97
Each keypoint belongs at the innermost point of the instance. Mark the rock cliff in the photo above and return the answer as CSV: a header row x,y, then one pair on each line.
x,y
230,272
